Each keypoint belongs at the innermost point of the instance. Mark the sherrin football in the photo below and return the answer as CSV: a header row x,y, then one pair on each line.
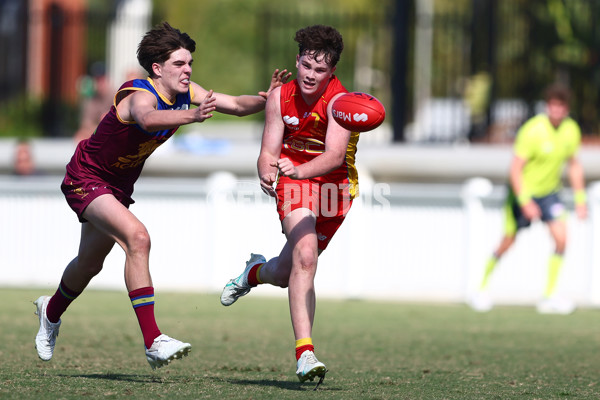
x,y
358,112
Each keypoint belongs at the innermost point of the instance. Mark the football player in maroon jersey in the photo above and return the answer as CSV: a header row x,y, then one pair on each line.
x,y
99,181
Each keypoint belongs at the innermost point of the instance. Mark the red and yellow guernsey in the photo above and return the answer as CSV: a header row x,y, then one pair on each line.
x,y
305,131
116,152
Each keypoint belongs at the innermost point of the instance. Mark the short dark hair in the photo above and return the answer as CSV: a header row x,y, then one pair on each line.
x,y
320,41
158,44
558,91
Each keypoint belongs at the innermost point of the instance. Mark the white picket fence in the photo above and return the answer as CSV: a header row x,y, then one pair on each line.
x,y
408,242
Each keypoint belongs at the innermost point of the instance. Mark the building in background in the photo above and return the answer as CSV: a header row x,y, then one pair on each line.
x,y
447,71
56,48
49,45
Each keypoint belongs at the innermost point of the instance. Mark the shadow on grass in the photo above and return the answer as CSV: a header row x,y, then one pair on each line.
x,y
286,385
121,377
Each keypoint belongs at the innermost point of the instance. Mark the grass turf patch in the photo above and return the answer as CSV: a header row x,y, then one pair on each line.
x,y
373,350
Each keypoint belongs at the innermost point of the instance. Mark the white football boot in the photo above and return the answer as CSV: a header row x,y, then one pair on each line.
x,y
481,301
308,367
238,287
555,305
166,349
45,340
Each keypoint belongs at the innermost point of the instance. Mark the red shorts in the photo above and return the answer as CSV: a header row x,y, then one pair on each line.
x,y
79,194
330,202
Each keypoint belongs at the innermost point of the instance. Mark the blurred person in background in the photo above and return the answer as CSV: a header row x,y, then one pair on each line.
x,y
100,178
543,146
97,95
304,153
23,161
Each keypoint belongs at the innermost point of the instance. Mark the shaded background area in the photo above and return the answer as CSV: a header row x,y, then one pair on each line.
x,y
447,71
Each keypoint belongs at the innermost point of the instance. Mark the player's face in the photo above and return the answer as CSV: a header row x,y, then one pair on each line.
x,y
557,111
175,73
313,75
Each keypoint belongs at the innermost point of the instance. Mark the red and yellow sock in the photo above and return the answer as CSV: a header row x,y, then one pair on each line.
x,y
302,345
60,301
253,275
142,300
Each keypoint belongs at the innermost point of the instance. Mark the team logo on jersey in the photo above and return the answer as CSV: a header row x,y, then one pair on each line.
x,y
134,160
80,191
291,120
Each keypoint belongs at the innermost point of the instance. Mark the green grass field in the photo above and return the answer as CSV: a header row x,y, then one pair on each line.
x,y
373,350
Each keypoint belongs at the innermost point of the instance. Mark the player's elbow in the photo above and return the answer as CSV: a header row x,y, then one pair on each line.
x,y
337,159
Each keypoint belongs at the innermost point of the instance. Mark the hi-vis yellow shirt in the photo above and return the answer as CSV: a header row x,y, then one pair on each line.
x,y
546,150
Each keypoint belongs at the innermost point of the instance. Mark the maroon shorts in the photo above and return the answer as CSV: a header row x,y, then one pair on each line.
x,y
330,202
79,194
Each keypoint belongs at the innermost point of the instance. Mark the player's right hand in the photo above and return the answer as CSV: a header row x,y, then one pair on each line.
x,y
266,184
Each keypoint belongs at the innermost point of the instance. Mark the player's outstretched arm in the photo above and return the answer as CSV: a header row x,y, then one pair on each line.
x,y
245,104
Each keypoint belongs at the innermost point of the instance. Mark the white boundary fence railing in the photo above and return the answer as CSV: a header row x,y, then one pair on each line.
x,y
409,242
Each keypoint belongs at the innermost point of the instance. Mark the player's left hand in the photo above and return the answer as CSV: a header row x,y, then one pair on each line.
x,y
581,211
286,168
205,109
277,79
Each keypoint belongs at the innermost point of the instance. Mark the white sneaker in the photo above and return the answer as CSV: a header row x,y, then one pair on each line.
x,y
45,340
555,305
239,286
308,367
166,349
481,302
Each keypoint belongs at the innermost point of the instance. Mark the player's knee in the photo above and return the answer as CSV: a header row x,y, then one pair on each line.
x,y
307,258
560,243
139,242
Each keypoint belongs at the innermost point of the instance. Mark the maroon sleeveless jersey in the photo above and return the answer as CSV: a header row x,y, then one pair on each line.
x,y
111,160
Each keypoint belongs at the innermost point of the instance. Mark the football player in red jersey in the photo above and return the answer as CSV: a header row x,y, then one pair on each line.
x,y
307,162
100,176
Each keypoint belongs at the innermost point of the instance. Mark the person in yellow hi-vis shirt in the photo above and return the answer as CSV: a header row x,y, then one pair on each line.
x,y
543,145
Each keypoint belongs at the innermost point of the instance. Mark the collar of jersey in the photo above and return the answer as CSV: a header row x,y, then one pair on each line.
x,y
159,93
